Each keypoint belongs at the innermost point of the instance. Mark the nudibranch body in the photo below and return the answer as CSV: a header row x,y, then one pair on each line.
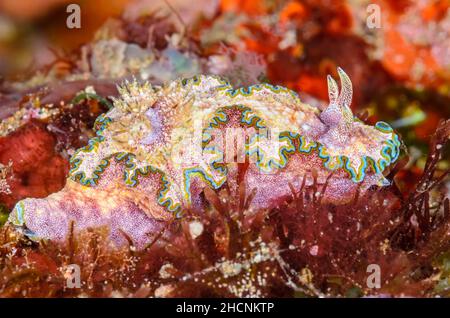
x,y
160,146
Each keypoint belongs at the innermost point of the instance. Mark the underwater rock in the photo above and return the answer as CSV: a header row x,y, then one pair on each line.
x,y
159,147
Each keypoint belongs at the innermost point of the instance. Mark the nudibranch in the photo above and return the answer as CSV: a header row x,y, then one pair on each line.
x,y
158,147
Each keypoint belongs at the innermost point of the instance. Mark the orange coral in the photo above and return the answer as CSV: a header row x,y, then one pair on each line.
x,y
250,7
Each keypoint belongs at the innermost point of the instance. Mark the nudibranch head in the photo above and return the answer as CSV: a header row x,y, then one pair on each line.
x,y
160,146
348,140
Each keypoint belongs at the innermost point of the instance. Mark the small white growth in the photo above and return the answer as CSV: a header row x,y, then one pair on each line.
x,y
164,291
90,90
330,217
314,250
164,271
230,269
195,229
